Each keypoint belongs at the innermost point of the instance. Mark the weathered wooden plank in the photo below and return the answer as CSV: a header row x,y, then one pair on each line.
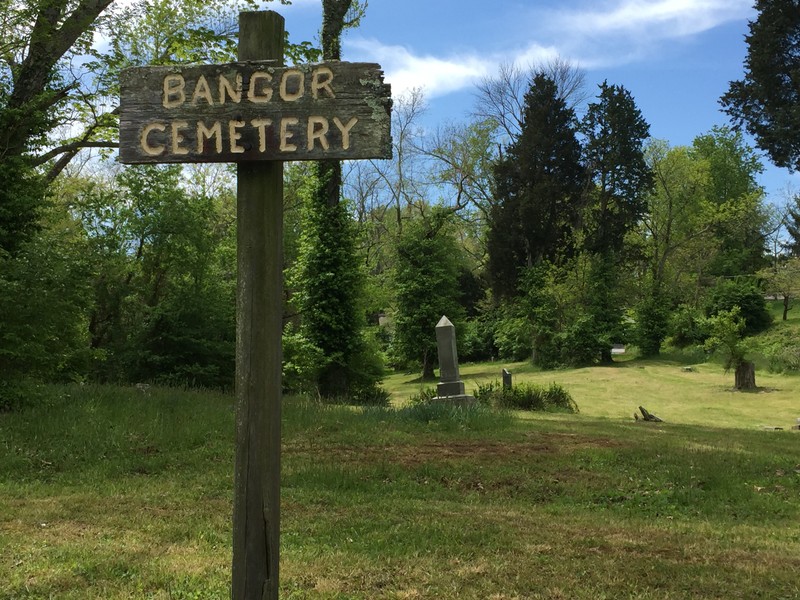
x,y
254,110
259,323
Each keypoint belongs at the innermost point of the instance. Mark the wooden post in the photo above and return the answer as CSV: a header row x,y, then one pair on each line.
x,y
259,314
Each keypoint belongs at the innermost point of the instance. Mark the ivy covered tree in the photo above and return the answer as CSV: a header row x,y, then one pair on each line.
x,y
328,285
538,183
765,101
330,282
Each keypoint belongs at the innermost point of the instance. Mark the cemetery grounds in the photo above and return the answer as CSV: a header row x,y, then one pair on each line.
x,y
121,493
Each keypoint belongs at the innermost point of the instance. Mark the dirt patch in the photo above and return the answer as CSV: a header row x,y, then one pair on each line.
x,y
476,451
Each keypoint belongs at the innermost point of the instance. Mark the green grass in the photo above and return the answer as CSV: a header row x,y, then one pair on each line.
x,y
702,396
110,493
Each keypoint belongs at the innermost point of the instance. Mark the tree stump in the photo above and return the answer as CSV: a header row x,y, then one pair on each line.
x,y
745,376
648,416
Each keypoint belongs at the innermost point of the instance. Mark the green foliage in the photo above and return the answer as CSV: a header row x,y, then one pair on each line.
x,y
782,357
476,338
425,280
735,202
613,151
725,336
652,325
686,327
792,224
44,294
527,396
513,333
537,189
329,281
301,362
164,281
745,294
22,198
765,101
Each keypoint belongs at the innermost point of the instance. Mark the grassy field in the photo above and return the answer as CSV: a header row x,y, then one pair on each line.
x,y
109,493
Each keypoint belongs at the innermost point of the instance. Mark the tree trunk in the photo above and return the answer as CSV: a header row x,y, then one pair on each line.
x,y
745,376
428,373
786,301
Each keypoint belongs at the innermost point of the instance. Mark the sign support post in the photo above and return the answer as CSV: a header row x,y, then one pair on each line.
x,y
259,324
256,113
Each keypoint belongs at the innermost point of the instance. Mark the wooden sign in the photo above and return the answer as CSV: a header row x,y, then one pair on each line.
x,y
252,111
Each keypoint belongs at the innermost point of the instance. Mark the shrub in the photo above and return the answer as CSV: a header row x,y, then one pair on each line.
x,y
652,320
745,294
513,337
782,358
527,396
476,340
685,327
369,395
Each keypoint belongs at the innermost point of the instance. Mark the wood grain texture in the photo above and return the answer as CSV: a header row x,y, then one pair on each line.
x,y
219,113
259,323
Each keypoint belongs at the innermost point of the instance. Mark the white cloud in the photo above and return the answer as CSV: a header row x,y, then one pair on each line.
x,y
588,33
620,31
435,76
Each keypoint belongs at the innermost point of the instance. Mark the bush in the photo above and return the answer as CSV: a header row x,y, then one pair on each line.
x,y
652,320
685,327
513,336
369,395
527,396
745,294
476,340
782,358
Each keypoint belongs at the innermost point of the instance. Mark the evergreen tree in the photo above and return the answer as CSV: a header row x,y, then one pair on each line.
x,y
792,224
620,178
537,188
615,133
765,101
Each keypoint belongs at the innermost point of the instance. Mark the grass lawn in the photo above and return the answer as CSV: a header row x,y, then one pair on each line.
x,y
109,493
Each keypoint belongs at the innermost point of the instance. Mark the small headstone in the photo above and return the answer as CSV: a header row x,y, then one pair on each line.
x,y
507,382
450,387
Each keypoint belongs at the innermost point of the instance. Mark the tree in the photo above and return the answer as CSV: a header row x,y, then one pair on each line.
x,y
737,200
537,185
425,280
670,231
613,152
765,101
725,337
329,287
162,257
330,280
619,179
747,297
792,224
783,280
501,99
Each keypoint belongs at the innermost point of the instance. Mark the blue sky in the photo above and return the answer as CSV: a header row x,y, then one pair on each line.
x,y
675,56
